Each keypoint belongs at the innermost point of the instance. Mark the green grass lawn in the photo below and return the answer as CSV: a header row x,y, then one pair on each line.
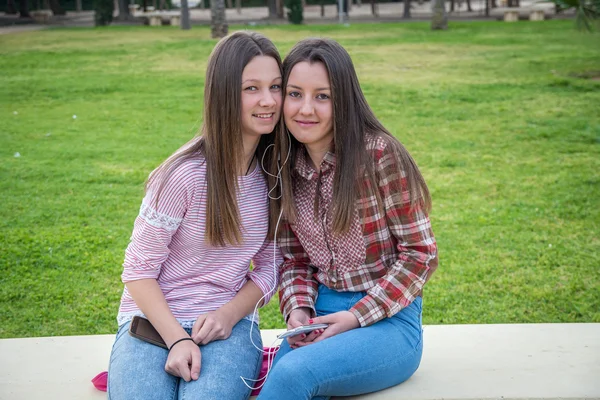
x,y
503,119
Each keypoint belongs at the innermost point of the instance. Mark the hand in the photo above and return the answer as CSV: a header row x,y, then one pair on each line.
x,y
184,360
299,317
339,322
215,325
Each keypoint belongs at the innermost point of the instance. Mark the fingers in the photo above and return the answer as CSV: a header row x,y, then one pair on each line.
x,y
204,330
196,364
211,329
299,316
324,335
325,319
313,335
294,339
304,339
197,326
184,361
184,372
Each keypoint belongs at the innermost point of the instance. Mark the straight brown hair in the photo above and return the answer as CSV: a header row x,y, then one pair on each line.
x,y
353,120
220,139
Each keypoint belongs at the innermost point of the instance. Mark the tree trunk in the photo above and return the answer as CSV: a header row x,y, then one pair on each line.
x,y
280,8
56,8
452,5
11,7
218,22
78,6
238,5
406,14
229,5
185,16
374,8
24,9
272,5
439,19
123,11
469,5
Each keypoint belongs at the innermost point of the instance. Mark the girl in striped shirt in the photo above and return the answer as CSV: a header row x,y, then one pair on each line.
x,y
203,220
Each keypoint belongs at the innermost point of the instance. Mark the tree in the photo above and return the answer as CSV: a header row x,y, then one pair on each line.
x,y
11,7
460,4
439,18
56,8
295,13
24,9
124,11
185,15
272,5
218,21
104,10
406,14
587,12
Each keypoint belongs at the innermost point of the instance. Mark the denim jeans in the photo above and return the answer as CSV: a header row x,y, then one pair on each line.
x,y
137,369
358,361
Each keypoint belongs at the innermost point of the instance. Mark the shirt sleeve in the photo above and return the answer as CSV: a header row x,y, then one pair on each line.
x,y
156,224
298,284
416,248
265,273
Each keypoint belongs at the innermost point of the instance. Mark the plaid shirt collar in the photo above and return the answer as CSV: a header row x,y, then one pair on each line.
x,y
304,166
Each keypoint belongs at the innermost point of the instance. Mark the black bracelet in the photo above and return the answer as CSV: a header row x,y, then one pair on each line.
x,y
180,340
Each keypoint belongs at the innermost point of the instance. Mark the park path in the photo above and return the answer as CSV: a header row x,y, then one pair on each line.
x,y
387,12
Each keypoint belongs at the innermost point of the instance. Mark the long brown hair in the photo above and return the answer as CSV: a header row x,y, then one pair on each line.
x,y
353,120
220,139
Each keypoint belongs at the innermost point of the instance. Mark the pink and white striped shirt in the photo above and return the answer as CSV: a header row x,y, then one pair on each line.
x,y
168,245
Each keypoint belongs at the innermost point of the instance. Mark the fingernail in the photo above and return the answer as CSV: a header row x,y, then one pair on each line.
x,y
310,321
303,335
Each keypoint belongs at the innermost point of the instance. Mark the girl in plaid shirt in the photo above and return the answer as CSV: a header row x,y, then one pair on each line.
x,y
357,241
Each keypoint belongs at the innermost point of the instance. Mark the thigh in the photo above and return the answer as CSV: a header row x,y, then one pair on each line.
x,y
224,363
359,361
137,370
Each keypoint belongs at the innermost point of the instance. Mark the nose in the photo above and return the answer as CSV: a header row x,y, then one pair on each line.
x,y
307,107
267,100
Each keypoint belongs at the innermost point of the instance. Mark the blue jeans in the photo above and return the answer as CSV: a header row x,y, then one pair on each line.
x,y
137,369
358,361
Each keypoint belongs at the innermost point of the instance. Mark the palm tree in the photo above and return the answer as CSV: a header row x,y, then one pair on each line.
x,y
587,11
218,21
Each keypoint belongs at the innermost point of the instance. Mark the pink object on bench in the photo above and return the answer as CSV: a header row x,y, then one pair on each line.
x,y
100,381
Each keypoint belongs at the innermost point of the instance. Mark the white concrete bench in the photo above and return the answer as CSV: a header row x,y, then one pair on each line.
x,y
155,18
514,14
521,361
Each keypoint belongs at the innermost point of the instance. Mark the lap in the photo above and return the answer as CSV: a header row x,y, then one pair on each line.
x,y
359,361
136,369
224,363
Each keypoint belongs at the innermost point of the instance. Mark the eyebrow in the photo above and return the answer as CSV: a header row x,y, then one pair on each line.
x,y
299,88
258,80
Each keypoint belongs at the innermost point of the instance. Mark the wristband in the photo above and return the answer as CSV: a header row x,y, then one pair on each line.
x,y
180,340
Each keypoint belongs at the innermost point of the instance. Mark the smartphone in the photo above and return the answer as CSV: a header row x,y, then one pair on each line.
x,y
142,329
301,329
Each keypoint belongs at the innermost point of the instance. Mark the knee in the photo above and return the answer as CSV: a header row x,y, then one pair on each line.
x,y
290,378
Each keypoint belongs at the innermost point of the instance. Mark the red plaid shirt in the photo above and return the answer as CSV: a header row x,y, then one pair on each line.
x,y
389,255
